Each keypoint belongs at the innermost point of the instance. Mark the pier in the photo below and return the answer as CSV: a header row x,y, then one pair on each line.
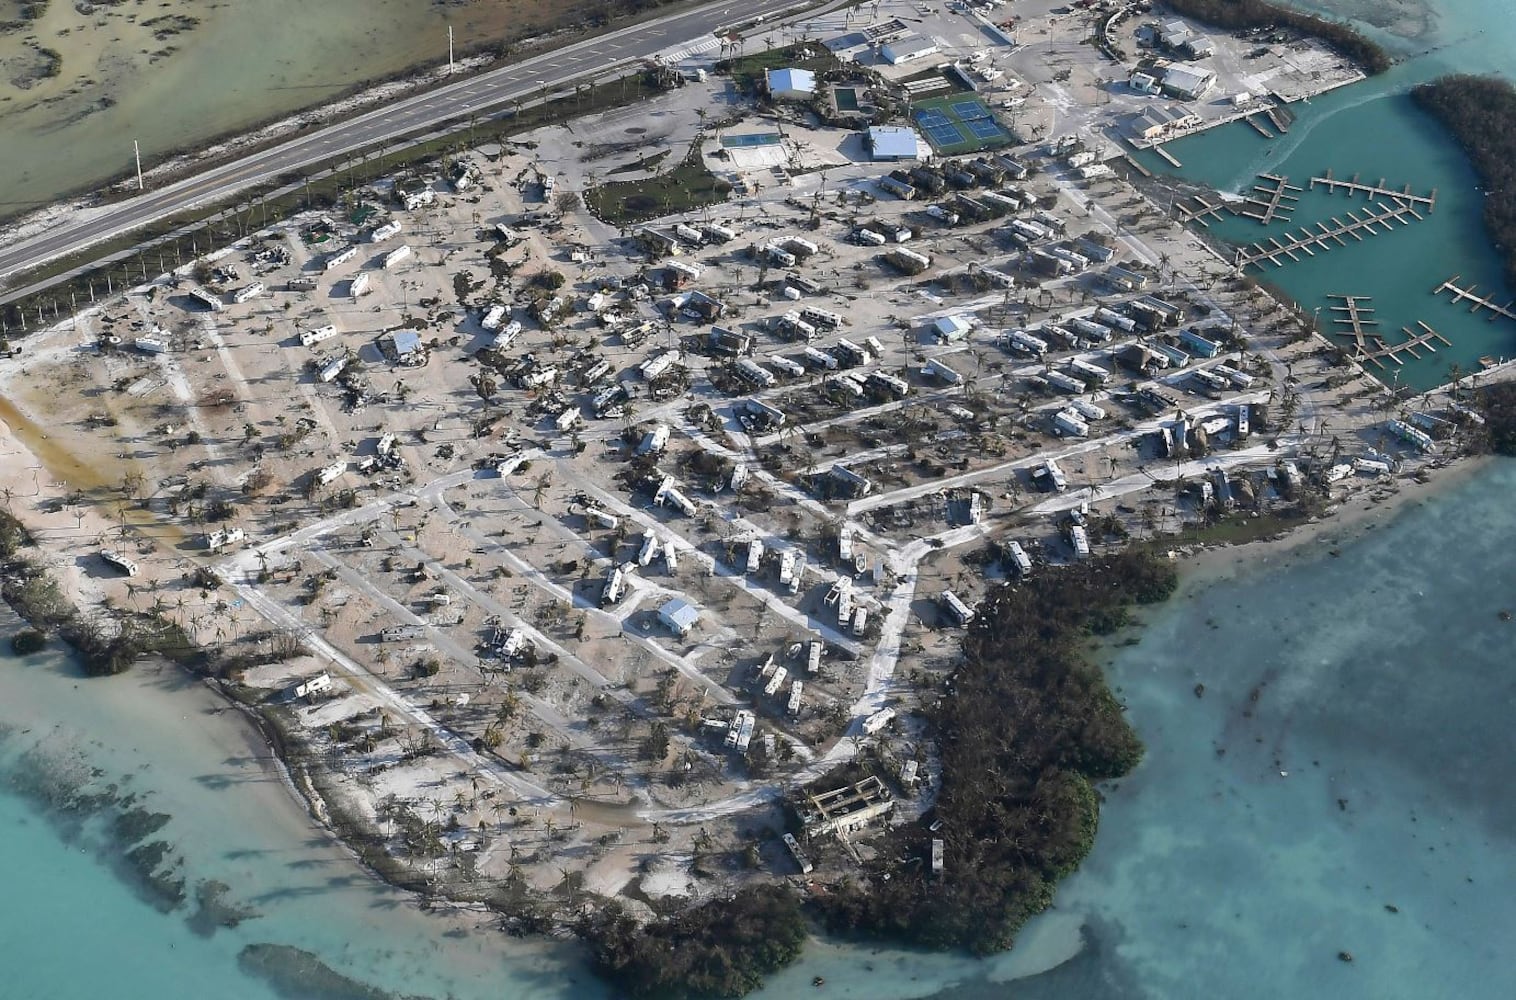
x,y
1201,210
1479,301
1375,191
1412,346
1270,200
1308,241
1173,161
1358,317
1259,128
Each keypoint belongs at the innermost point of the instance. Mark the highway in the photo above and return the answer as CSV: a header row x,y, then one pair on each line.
x,y
456,101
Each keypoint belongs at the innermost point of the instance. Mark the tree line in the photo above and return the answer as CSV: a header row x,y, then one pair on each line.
x,y
721,948
1026,726
1480,112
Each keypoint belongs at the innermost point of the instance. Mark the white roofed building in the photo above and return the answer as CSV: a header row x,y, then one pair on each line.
x,y
790,84
908,48
894,142
679,615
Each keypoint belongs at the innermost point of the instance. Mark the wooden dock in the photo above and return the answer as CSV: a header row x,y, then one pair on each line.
x,y
1479,301
1199,212
1375,191
1325,236
1173,161
1270,200
1357,318
1416,342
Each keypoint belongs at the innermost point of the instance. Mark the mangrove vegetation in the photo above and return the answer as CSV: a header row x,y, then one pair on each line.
x,y
1026,725
722,948
1480,112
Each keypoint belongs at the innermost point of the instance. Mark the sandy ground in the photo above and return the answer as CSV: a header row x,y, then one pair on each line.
x,y
541,771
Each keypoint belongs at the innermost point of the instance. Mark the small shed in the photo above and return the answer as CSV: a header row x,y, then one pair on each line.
x,y
679,615
951,329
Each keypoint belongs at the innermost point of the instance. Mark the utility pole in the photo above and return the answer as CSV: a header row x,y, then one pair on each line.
x,y
450,50
137,152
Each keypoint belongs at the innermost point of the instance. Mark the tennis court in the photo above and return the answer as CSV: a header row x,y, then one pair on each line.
x,y
985,128
939,128
970,110
954,125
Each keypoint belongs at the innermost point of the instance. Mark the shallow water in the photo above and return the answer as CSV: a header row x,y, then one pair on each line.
x,y
76,753
1349,754
242,64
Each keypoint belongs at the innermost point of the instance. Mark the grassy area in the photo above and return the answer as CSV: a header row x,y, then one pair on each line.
x,y
748,71
689,185
331,184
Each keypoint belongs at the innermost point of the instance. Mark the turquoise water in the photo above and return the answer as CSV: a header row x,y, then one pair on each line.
x,y
1350,753
1373,129
1375,673
76,753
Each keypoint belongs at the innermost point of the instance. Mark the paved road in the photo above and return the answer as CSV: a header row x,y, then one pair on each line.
x,y
455,101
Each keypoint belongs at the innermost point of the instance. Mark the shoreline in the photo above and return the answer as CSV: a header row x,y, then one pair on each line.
x,y
1199,563
1344,524
326,752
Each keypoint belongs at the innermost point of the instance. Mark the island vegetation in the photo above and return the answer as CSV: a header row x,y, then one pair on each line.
x,y
722,948
1237,15
107,644
1497,403
1480,112
28,640
1025,726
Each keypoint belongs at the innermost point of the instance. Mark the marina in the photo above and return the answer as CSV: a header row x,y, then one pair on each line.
x,y
1374,191
1379,218
1479,302
1201,210
1271,199
1426,339
1357,317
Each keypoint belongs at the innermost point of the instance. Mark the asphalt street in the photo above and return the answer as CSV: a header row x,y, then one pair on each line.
x,y
471,95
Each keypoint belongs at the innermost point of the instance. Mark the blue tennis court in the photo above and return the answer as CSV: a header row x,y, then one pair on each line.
x,y
970,110
939,128
959,123
984,128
